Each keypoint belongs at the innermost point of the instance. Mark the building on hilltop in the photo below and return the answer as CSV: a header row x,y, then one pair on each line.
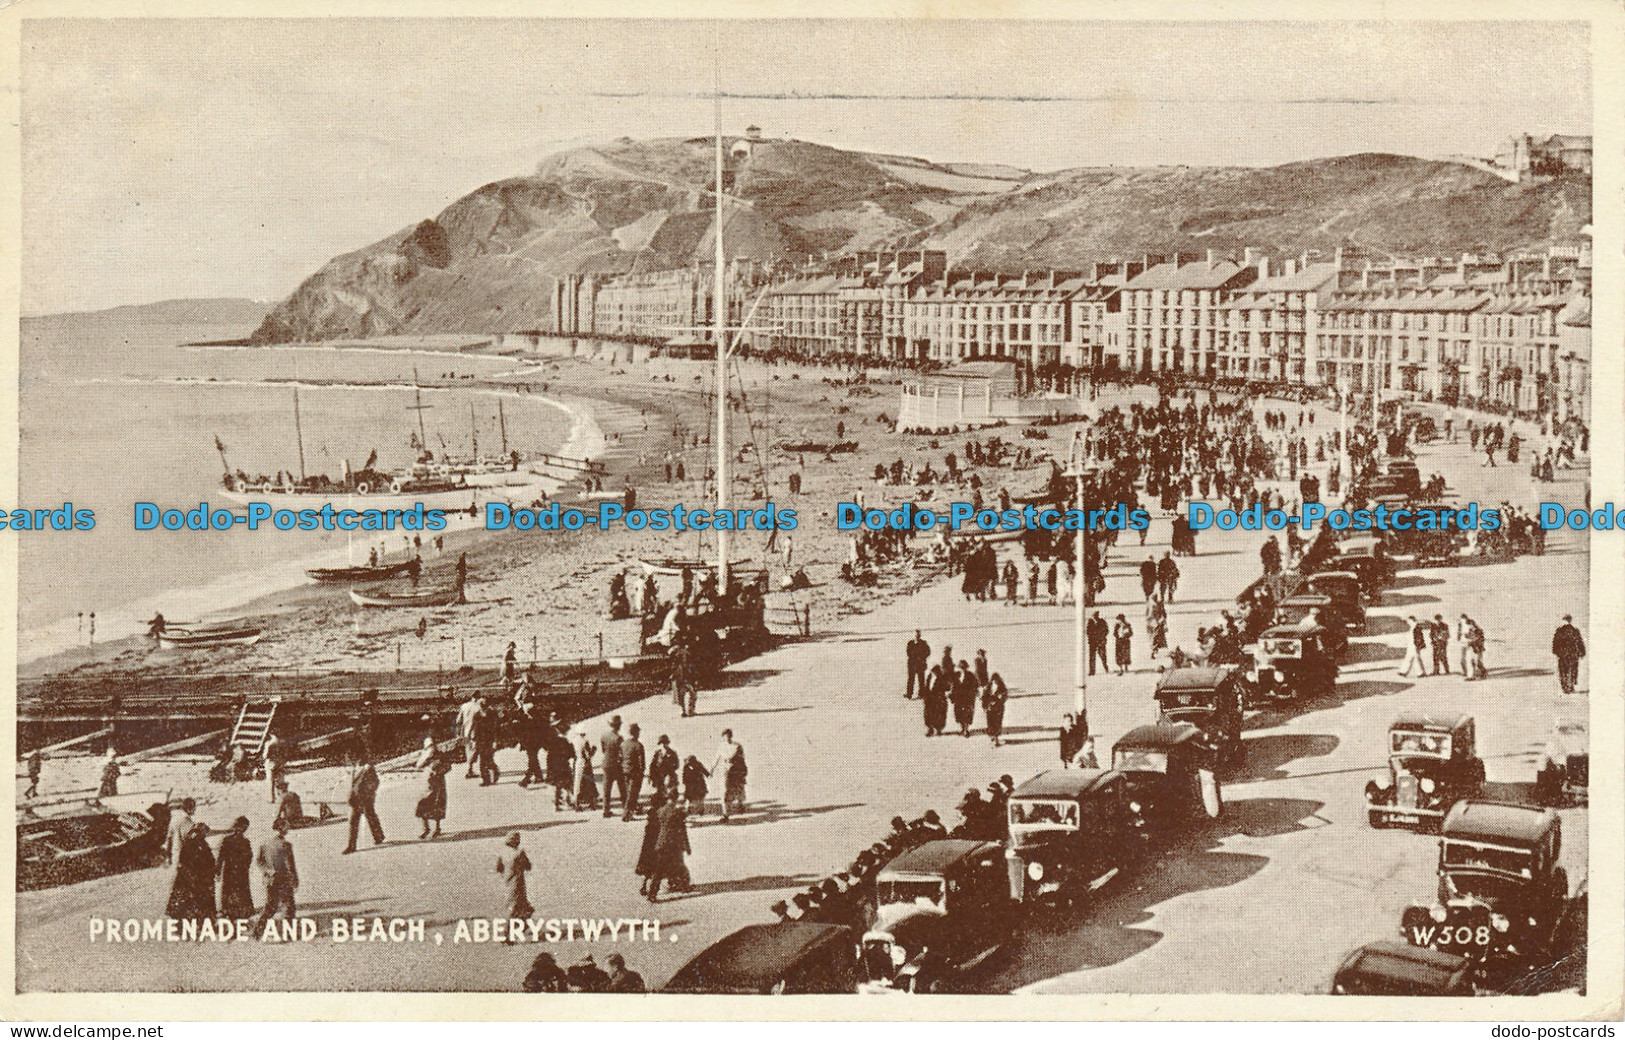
x,y
1530,158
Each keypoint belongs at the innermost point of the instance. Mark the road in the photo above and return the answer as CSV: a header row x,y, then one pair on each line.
x,y
1267,901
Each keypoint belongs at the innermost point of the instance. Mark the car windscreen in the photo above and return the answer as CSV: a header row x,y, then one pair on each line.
x,y
1044,814
1140,760
1474,856
918,892
1411,742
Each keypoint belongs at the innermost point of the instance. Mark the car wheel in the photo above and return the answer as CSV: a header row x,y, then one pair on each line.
x,y
1378,821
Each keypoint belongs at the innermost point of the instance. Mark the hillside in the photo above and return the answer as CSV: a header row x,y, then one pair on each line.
x,y
487,262
233,312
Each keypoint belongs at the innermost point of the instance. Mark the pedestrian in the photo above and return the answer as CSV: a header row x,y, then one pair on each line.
x,y
111,771
513,864
963,697
465,729
275,756
1069,584
1475,649
1122,636
584,789
36,764
1439,635
1032,581
919,658
191,893
545,976
981,669
276,863
485,741
610,742
1416,643
179,824
1085,757
663,765
363,794
560,760
1463,630
510,665
236,856
1097,630
994,697
533,732
645,867
1148,577
432,806
633,764
1011,582
694,786
671,845
936,696
1568,647
730,762
622,980
1156,626
682,688
1052,579
1167,577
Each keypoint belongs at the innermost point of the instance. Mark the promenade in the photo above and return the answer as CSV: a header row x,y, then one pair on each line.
x,y
1268,900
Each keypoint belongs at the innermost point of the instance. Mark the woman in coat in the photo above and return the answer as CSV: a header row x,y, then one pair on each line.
x,y
432,806
671,845
236,856
191,897
584,792
1122,639
694,788
993,700
1156,625
936,700
964,698
646,868
560,761
512,864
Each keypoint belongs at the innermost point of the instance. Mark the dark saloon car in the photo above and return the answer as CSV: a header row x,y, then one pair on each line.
x,y
787,957
1169,776
1432,765
1291,662
942,909
1342,589
1388,968
1364,556
1070,830
1210,699
1501,891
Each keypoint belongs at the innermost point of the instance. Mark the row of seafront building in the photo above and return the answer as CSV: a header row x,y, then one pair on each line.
x,y
1510,332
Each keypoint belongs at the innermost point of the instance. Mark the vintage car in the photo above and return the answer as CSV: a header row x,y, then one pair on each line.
x,y
1564,774
1403,474
1364,556
1210,699
1429,542
1343,589
1502,893
1387,968
1169,777
1432,765
1069,833
1291,661
785,957
1301,607
942,909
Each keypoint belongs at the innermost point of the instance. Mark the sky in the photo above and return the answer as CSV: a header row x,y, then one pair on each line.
x,y
232,157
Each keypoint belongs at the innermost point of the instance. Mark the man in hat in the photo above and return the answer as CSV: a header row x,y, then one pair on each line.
x,y
664,765
180,824
632,766
465,728
919,659
275,860
363,794
621,980
1568,647
931,829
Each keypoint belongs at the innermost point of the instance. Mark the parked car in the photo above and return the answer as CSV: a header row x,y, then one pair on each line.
x,y
1070,833
787,957
1308,608
1388,968
1211,699
1501,893
942,909
1290,662
1432,765
1170,777
1564,774
1342,588
1364,556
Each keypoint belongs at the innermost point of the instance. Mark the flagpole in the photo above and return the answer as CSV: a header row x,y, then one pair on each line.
x,y
720,305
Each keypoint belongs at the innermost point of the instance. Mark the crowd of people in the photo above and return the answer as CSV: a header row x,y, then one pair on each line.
x,y
960,686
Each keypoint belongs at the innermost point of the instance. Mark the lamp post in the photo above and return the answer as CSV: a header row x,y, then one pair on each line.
x,y
1077,468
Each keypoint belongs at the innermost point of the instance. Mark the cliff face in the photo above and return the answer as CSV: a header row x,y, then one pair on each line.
x,y
487,262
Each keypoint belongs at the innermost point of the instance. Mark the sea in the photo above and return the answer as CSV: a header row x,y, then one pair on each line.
x,y
114,410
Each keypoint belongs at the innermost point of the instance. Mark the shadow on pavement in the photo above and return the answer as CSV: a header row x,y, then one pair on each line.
x,y
1266,755
1382,625
759,883
771,812
1343,692
750,711
1368,653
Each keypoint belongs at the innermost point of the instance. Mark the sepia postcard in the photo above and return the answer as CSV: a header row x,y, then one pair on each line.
x,y
813,514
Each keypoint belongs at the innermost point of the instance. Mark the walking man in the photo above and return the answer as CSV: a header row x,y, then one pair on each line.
x,y
730,764
611,742
919,657
1463,633
1097,630
485,740
274,756
1439,631
1568,648
1414,647
36,763
1168,577
632,766
275,860
465,727
363,793
1148,576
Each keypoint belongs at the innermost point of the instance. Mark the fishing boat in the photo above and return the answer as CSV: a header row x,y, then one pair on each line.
x,y
819,448
363,572
381,597
182,638
85,841
674,567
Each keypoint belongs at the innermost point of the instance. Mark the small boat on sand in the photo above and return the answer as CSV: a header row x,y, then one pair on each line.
x,y
673,567
59,846
176,637
381,597
363,572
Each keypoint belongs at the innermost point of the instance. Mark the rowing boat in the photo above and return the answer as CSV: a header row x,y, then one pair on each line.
x,y
674,567
363,572
379,597
181,638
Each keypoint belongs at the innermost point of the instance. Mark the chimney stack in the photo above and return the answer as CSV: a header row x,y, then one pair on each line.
x,y
1291,266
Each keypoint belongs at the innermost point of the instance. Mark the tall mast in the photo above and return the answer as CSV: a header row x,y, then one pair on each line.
x,y
502,424
720,305
474,428
423,438
299,431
